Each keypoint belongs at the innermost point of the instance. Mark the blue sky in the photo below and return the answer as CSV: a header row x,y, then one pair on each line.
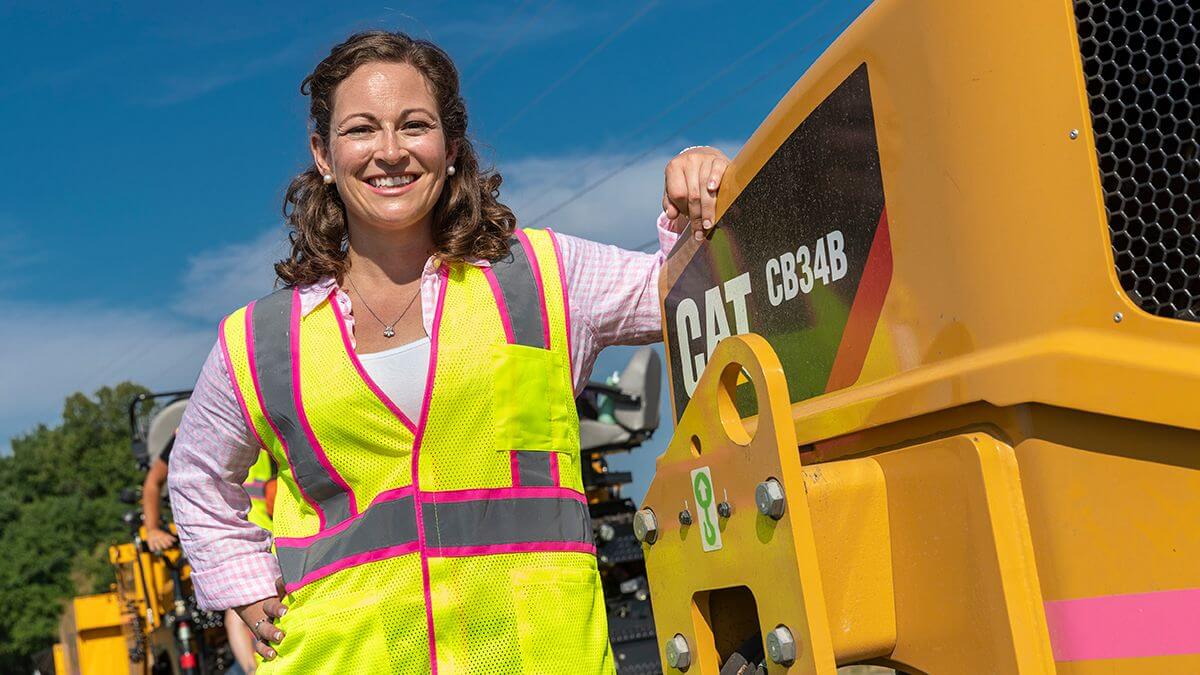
x,y
147,148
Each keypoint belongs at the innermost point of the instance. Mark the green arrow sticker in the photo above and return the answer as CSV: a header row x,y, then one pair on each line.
x,y
702,491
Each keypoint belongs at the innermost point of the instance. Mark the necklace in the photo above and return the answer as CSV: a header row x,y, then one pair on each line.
x,y
389,329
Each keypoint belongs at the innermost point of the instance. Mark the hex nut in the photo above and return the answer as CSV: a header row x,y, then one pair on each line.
x,y
685,517
645,526
724,509
781,646
768,496
679,654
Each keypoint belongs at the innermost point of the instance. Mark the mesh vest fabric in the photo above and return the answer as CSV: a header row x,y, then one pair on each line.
x,y
490,552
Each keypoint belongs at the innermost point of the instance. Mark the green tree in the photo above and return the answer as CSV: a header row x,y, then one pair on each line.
x,y
59,511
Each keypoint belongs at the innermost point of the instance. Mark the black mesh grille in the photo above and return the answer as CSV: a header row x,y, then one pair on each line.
x,y
1142,66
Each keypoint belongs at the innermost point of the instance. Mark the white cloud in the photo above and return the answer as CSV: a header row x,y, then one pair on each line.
x,y
55,351
220,280
620,210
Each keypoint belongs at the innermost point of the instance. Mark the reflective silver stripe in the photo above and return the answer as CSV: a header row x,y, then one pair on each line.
x,y
383,525
520,290
488,522
273,362
533,468
255,491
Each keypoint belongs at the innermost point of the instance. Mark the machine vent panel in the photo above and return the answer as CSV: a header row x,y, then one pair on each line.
x,y
1142,67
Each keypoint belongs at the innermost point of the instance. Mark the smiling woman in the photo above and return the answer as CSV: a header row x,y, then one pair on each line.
x,y
406,96
431,516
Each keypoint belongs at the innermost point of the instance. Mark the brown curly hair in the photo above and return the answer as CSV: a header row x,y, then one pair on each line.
x,y
468,220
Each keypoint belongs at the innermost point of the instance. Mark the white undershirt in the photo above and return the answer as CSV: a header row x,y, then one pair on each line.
x,y
400,373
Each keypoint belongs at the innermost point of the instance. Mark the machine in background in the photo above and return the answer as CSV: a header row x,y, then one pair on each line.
x,y
617,416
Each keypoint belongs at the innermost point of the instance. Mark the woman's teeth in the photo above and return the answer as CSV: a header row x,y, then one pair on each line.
x,y
392,181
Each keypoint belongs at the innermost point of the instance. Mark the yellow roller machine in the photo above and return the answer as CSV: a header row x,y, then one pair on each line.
x,y
937,372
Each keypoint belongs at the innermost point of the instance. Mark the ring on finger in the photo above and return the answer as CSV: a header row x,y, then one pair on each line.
x,y
254,628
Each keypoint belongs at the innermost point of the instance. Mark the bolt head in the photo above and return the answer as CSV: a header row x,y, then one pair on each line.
x,y
1074,133
724,509
768,496
781,646
1118,317
679,654
685,517
645,526
606,532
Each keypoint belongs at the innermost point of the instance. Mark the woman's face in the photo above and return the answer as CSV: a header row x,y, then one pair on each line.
x,y
387,150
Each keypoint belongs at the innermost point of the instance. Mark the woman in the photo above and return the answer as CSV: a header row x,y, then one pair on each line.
x,y
415,380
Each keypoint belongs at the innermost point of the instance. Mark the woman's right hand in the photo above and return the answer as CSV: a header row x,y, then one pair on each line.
x,y
260,617
159,540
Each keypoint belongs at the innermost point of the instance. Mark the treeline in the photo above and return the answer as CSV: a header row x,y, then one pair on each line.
x,y
59,511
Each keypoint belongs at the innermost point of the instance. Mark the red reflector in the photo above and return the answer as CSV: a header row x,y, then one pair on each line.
x,y
187,660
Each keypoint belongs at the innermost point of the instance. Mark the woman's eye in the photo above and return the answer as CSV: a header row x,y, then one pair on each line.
x,y
359,131
416,127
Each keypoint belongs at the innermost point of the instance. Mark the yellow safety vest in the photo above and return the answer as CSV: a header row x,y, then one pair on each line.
x,y
261,472
459,542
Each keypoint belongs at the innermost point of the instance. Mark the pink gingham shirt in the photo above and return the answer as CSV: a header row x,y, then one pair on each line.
x,y
613,295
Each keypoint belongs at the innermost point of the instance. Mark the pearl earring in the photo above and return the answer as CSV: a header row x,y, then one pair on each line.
x,y
328,178
450,170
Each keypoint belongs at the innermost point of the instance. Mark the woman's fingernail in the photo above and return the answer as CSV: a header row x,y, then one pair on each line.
x,y
270,653
712,184
282,611
708,224
278,636
699,235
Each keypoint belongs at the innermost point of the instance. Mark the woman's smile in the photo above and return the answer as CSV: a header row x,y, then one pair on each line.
x,y
391,185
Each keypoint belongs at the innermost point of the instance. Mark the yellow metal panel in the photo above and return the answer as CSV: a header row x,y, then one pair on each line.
x,y
1003,287
776,561
1028,446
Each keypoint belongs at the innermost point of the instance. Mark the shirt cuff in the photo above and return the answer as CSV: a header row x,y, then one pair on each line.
x,y
240,581
666,236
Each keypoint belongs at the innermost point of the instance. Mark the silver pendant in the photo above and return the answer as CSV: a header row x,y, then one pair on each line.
x,y
388,332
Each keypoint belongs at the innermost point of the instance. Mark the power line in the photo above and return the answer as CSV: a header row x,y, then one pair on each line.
x,y
578,66
687,97
691,123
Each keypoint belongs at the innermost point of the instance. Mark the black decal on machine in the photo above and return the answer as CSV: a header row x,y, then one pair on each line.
x,y
788,255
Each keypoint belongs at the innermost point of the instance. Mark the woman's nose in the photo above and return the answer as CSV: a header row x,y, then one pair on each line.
x,y
392,150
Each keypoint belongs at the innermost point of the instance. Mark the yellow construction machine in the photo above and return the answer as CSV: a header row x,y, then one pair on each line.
x,y
149,622
936,371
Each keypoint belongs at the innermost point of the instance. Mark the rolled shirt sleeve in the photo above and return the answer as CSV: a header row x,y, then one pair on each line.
x,y
214,448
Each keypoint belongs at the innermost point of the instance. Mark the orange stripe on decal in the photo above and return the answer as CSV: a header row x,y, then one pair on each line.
x,y
864,313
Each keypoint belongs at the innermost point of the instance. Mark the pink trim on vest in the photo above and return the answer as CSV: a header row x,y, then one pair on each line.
x,y
392,494
304,542
537,277
500,303
514,465
237,390
301,416
353,561
1162,623
540,492
523,547
271,423
554,470
420,436
562,281
362,372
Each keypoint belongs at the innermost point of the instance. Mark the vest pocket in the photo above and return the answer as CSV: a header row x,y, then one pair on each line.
x,y
341,634
527,399
561,614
